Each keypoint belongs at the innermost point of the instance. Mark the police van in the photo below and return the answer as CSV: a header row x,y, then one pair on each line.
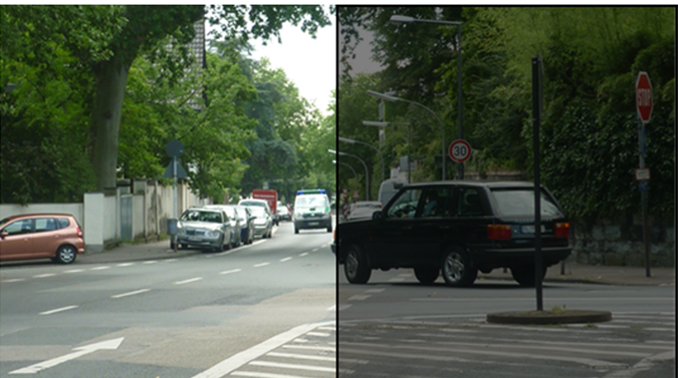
x,y
312,210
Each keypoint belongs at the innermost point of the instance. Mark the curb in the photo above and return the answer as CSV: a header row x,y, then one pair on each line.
x,y
549,317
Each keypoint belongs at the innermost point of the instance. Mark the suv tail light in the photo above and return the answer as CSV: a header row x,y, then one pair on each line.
x,y
562,230
79,232
498,231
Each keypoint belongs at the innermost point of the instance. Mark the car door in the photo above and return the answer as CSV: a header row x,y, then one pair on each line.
x,y
46,238
17,241
391,237
432,224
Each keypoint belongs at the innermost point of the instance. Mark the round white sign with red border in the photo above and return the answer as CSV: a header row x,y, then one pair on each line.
x,y
460,150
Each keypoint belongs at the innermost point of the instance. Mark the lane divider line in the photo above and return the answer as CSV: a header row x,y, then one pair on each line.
x,y
231,271
260,265
50,312
130,293
286,259
188,281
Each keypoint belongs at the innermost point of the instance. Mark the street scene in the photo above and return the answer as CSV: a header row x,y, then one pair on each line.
x,y
146,311
506,197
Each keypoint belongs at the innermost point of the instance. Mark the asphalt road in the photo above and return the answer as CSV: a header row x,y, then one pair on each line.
x,y
249,310
395,327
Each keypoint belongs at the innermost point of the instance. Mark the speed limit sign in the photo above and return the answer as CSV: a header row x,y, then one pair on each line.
x,y
460,150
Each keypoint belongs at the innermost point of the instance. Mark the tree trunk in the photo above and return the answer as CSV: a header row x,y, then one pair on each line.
x,y
104,123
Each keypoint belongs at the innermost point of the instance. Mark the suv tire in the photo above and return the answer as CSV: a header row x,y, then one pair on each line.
x,y
525,275
427,274
355,266
456,267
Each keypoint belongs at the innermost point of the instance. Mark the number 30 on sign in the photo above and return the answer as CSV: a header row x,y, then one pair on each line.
x,y
460,150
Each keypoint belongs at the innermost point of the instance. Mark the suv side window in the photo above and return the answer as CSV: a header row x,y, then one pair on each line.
x,y
45,224
405,205
468,204
437,203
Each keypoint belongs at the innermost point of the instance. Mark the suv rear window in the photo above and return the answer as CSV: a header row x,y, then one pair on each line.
x,y
311,200
516,202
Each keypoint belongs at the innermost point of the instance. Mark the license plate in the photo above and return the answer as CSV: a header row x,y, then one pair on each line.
x,y
194,238
313,223
530,229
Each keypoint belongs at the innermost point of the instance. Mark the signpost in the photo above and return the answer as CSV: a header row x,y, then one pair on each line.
x,y
644,110
460,150
174,149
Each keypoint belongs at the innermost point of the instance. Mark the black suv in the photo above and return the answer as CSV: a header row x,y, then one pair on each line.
x,y
457,227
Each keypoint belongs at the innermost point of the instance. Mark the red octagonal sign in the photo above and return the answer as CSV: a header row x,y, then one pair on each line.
x,y
644,97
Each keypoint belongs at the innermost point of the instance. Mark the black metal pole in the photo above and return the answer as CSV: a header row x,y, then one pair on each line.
x,y
536,120
461,133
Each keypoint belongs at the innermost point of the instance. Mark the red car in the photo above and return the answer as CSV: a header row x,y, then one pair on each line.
x,y
37,236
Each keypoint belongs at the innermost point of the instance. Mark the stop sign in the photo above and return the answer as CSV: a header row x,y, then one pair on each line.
x,y
644,97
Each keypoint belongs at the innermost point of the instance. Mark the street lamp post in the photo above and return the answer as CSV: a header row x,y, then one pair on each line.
x,y
353,141
367,173
355,183
442,129
384,124
398,19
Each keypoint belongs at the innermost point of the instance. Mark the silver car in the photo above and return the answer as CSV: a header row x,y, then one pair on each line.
x,y
263,221
234,219
204,228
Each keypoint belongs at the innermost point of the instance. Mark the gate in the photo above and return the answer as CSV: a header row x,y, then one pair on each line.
x,y
126,215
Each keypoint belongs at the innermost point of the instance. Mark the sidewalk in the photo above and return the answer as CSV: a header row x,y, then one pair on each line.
x,y
576,273
611,275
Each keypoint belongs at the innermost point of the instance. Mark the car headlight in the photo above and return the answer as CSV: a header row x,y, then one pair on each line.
x,y
213,234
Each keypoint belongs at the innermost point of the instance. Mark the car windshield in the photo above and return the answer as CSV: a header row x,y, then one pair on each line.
x,y
258,211
241,212
310,201
201,216
516,202
229,211
253,203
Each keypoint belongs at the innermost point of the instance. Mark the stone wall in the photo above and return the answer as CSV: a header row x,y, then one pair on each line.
x,y
619,241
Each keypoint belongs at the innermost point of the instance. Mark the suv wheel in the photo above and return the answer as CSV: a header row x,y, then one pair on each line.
x,y
296,230
457,268
355,266
525,275
427,274
65,254
329,227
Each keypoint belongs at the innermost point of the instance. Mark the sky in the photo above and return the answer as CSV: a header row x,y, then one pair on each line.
x,y
309,63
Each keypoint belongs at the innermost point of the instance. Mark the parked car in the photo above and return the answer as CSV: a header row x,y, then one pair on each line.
x,y
246,224
37,236
312,210
284,213
263,221
204,228
234,219
457,228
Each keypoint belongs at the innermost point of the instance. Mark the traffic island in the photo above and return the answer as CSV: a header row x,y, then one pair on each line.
x,y
558,316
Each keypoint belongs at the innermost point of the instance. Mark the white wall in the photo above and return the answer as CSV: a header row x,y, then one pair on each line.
x,y
75,209
103,213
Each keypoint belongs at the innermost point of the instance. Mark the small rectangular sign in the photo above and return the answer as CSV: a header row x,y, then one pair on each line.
x,y
642,174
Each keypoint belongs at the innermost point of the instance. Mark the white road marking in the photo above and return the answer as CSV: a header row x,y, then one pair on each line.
x,y
293,366
188,281
328,328
150,262
315,250
302,356
14,280
260,265
45,275
644,364
124,265
229,365
231,271
319,334
130,293
101,268
344,307
286,259
258,242
73,271
310,347
303,254
171,260
263,375
50,312
80,351
300,340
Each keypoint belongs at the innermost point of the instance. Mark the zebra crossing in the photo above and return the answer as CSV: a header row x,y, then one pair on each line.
x,y
631,344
